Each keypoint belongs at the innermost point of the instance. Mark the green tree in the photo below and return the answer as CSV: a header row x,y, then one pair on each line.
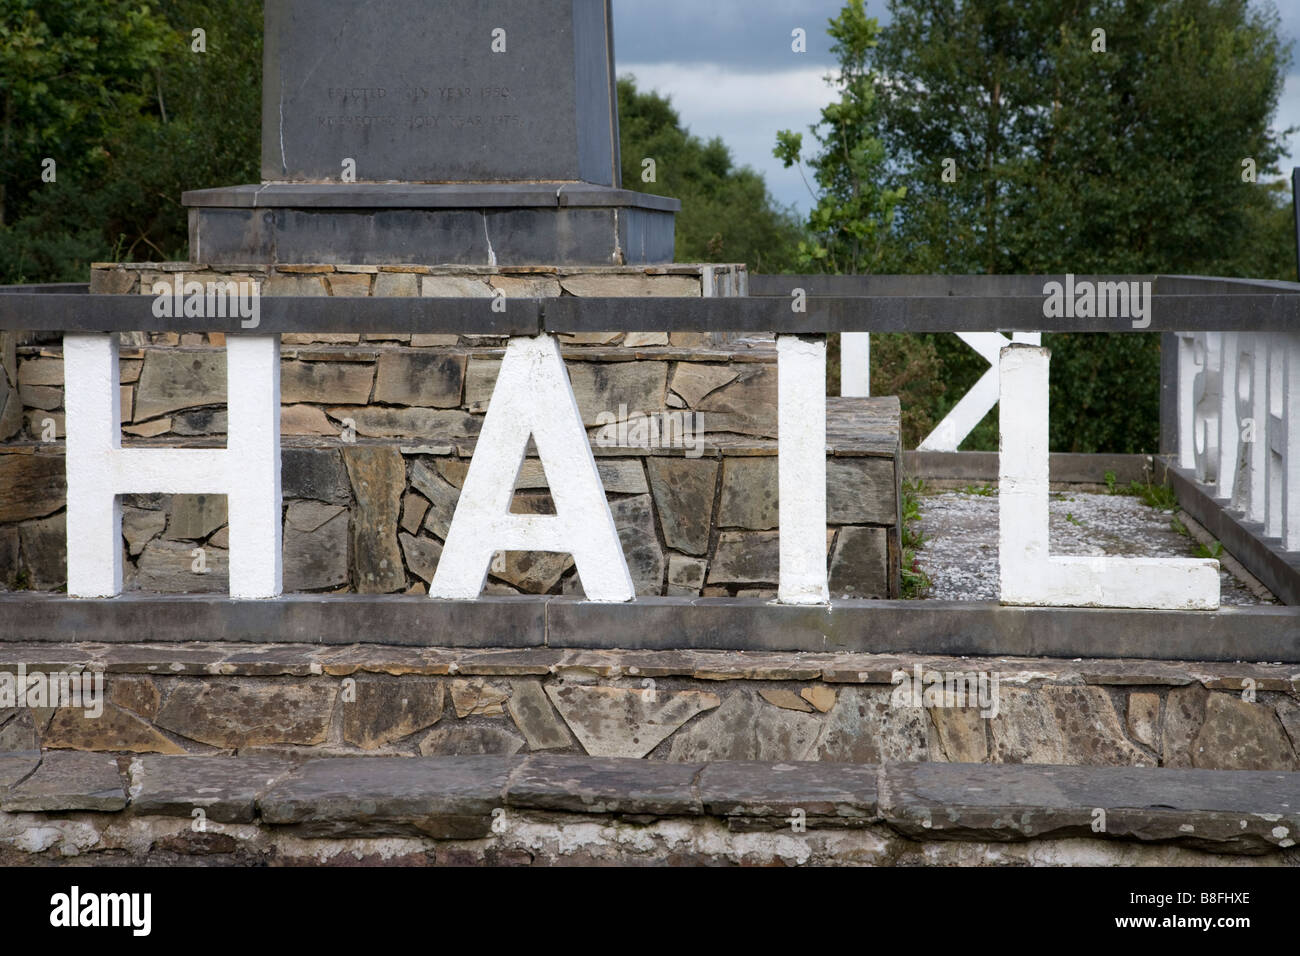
x,y
133,116
727,213
1068,151
853,211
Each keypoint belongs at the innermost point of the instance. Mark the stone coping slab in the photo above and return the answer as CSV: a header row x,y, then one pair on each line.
x,y
425,196
961,628
460,798
1251,811
68,780
61,312
226,659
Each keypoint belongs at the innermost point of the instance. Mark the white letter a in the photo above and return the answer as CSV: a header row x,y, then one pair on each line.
x,y
533,397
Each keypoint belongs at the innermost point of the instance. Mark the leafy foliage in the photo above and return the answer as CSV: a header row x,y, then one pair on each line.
x,y
1063,158
133,117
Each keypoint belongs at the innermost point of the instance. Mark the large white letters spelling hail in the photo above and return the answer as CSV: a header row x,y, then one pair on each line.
x,y
1029,573
246,471
533,398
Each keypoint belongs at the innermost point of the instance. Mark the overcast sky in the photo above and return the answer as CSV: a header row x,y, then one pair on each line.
x,y
729,69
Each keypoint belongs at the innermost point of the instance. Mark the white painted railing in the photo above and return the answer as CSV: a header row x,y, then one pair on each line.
x,y
1239,424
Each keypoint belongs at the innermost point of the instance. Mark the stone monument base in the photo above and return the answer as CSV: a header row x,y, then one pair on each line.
x,y
508,224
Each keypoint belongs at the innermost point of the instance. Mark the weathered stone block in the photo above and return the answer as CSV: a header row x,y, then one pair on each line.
x,y
470,739
746,557
527,287
34,486
135,693
861,491
315,546
1144,718
225,788
387,709
422,555
345,383
454,287
684,491
561,782
194,517
378,477
860,563
1060,725
68,781
625,722
694,381
749,494
444,798
442,496
348,284
1241,735
478,698
864,726
624,285
45,551
377,421
636,533
414,378
745,729
305,420
414,508
685,575
403,284
313,473
245,713
113,730
199,421
175,380
747,405
139,527
533,715
169,566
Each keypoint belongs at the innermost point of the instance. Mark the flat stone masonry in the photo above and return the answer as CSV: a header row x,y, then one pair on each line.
x,y
551,809
377,433
680,706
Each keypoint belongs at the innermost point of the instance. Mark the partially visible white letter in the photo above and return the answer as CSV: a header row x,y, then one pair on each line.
x,y
1030,575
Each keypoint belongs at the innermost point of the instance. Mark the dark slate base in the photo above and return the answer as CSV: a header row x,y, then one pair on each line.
x,y
460,798
924,627
372,224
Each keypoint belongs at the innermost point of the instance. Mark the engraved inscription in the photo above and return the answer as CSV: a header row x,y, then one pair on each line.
x,y
363,105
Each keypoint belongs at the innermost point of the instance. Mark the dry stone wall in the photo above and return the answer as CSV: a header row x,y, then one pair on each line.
x,y
377,433
677,706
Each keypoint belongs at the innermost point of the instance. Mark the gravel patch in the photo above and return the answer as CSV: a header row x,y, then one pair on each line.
x,y
960,550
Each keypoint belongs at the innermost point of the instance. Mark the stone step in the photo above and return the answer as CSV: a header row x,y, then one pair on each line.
x,y
334,699
552,808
